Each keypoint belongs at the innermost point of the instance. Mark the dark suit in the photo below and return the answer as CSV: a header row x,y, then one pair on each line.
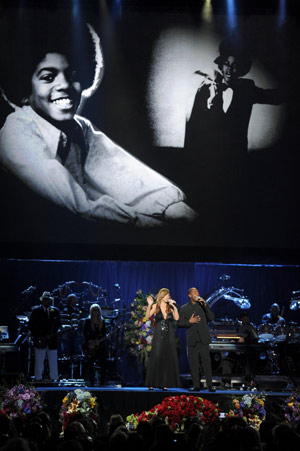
x,y
215,129
198,339
44,327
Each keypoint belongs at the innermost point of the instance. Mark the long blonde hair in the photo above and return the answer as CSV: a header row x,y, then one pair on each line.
x,y
162,293
98,321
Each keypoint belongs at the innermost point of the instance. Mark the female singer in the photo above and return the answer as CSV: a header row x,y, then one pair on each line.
x,y
94,346
163,368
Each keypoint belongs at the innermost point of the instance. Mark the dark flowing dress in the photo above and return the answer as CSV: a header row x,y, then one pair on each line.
x,y
163,368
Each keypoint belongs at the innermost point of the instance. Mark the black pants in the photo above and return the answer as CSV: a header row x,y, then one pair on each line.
x,y
92,363
199,358
245,362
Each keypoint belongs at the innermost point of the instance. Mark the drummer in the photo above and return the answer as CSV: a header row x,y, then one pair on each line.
x,y
72,302
71,339
274,316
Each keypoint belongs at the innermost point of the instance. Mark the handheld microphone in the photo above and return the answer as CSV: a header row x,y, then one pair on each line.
x,y
200,301
171,305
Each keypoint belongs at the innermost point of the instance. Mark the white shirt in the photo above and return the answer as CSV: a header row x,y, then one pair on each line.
x,y
227,99
110,185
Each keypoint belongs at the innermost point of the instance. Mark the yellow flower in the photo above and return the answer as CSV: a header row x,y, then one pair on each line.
x,y
290,404
65,399
93,402
73,406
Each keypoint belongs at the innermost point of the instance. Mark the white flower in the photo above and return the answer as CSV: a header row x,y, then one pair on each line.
x,y
82,395
149,339
247,400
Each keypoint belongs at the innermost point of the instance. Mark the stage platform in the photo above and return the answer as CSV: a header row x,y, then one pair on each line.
x,y
128,400
116,397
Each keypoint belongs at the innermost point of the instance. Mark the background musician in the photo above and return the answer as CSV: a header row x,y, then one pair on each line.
x,y
274,316
72,302
249,336
247,330
44,325
94,347
72,337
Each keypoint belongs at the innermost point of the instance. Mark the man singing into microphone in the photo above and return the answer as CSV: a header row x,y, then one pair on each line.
x,y
194,316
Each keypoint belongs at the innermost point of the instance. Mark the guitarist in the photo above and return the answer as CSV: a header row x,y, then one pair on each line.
x,y
44,325
94,347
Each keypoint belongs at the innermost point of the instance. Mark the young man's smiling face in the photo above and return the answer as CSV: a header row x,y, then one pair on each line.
x,y
56,90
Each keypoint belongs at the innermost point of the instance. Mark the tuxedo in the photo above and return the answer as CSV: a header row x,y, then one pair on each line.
x,y
213,130
198,339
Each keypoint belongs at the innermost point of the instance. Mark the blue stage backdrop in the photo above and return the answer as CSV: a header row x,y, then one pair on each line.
x,y
262,284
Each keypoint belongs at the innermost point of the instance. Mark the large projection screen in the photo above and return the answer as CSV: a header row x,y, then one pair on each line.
x,y
123,125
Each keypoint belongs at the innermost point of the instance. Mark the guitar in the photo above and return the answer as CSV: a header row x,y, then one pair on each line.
x,y
91,347
43,340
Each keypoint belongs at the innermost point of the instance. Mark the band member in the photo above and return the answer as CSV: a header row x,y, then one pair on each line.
x,y
194,316
71,339
274,316
94,347
44,324
163,369
249,336
72,302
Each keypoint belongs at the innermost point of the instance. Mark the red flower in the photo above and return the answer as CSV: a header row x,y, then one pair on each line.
x,y
176,409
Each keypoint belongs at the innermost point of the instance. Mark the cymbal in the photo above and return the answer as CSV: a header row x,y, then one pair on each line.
x,y
22,318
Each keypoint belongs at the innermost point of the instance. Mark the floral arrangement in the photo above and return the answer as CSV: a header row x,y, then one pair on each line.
x,y
139,332
77,402
175,410
291,409
20,401
250,407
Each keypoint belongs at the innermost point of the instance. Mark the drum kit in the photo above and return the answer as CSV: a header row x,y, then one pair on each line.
x,y
278,333
71,337
277,339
